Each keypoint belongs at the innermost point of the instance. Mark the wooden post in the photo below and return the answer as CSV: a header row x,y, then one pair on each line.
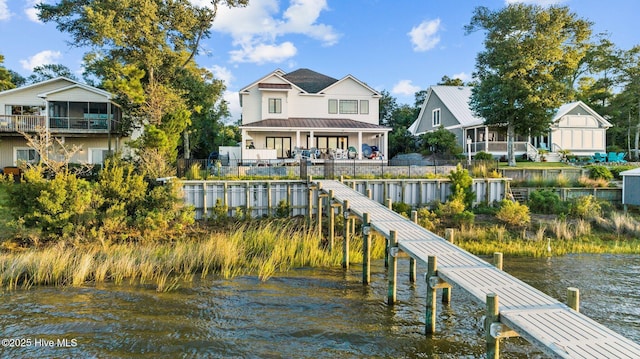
x,y
247,193
369,193
497,260
449,235
366,249
332,221
345,242
342,179
430,316
310,206
492,316
204,200
389,203
412,261
573,298
386,240
319,215
269,199
393,267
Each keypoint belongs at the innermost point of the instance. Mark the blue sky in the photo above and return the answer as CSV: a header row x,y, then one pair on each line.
x,y
401,46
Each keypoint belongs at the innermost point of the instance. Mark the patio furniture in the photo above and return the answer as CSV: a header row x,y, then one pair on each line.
x,y
612,157
598,157
621,157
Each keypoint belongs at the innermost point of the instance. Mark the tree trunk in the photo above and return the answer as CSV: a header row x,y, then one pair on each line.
x,y
511,136
187,149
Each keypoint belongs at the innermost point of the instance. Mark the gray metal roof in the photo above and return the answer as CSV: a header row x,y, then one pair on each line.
x,y
311,123
456,100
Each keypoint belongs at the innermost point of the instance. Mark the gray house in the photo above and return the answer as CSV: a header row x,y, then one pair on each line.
x,y
575,127
630,185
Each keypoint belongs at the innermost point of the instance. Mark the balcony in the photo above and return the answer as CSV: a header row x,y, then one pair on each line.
x,y
31,123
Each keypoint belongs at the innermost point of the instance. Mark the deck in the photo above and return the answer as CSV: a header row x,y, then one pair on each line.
x,y
550,325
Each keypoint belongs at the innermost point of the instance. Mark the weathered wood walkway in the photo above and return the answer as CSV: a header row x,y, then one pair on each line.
x,y
550,325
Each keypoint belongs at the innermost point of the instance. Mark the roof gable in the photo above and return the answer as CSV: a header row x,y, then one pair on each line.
x,y
50,83
568,107
456,100
349,78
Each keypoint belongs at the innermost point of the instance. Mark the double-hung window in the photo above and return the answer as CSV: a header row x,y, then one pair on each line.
x,y
275,105
435,117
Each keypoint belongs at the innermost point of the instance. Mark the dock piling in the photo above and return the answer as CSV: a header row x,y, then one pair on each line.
x,y
393,267
492,316
573,298
345,242
366,249
432,271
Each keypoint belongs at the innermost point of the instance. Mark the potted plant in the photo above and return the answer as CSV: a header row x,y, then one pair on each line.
x,y
543,154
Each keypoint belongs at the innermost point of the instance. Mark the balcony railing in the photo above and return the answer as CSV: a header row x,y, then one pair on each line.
x,y
497,146
31,123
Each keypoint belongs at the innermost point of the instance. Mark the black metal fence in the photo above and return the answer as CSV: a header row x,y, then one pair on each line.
x,y
328,169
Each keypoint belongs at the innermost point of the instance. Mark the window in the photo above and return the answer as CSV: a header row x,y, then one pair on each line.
x,y
364,107
333,106
25,155
275,105
282,145
349,106
97,155
435,117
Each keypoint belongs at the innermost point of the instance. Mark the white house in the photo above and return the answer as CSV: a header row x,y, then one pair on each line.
x,y
575,127
75,113
283,113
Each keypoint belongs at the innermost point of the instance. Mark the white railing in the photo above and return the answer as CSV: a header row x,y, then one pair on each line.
x,y
532,152
24,123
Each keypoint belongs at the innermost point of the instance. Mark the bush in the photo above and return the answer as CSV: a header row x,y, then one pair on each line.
x,y
483,156
586,207
615,170
461,186
513,213
428,219
546,201
600,172
283,210
402,208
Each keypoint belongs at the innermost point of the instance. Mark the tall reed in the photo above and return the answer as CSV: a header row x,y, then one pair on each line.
x,y
262,248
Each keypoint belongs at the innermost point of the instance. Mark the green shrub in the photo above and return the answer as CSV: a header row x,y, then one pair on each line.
x,y
600,172
483,156
546,201
461,186
615,170
402,208
283,210
428,219
586,207
513,213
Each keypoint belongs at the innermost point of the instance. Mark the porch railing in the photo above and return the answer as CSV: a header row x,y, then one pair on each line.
x,y
498,146
31,123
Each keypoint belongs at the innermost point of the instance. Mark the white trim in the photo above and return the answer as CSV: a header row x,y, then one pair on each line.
x,y
90,154
433,117
22,148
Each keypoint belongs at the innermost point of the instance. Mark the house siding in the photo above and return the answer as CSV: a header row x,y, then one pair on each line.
x,y
446,117
579,132
631,196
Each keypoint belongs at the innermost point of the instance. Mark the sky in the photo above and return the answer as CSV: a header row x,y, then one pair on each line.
x,y
400,46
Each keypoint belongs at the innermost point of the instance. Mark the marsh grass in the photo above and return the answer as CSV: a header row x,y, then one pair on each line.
x,y
262,248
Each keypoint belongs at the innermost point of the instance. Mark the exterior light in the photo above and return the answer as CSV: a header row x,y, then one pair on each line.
x,y
346,214
366,229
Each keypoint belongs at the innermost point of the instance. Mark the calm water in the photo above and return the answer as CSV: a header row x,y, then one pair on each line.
x,y
301,314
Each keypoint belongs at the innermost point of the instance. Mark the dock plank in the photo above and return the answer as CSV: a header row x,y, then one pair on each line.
x,y
552,326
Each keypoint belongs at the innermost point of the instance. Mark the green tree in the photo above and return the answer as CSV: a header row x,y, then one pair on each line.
x,y
5,77
143,51
441,142
448,81
48,72
529,54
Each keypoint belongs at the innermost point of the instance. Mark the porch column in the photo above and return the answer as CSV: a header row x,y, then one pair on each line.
x,y
298,138
311,141
359,149
243,143
384,143
486,138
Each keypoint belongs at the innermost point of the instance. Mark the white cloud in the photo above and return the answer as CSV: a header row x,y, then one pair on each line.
x,y
462,76
404,87
233,100
263,53
41,58
5,14
534,2
222,73
256,28
30,10
425,36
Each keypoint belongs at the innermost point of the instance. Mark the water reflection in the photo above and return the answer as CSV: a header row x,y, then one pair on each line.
x,y
304,314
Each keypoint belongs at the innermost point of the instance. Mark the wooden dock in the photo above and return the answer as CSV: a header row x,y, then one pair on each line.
x,y
514,308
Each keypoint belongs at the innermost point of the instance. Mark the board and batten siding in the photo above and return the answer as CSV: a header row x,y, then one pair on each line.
x,y
630,185
261,198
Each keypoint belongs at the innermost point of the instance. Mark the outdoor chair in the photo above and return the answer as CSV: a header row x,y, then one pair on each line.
x,y
621,157
613,157
599,157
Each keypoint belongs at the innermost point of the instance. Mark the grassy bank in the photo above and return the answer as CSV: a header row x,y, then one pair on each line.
x,y
261,248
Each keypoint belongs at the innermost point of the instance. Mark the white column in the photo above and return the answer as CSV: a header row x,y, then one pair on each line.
x,y
243,143
359,145
311,141
298,139
486,138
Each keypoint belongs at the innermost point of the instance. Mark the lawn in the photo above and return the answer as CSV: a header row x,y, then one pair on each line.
x,y
537,165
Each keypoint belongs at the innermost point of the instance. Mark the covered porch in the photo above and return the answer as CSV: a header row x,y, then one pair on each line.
x,y
322,140
493,140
